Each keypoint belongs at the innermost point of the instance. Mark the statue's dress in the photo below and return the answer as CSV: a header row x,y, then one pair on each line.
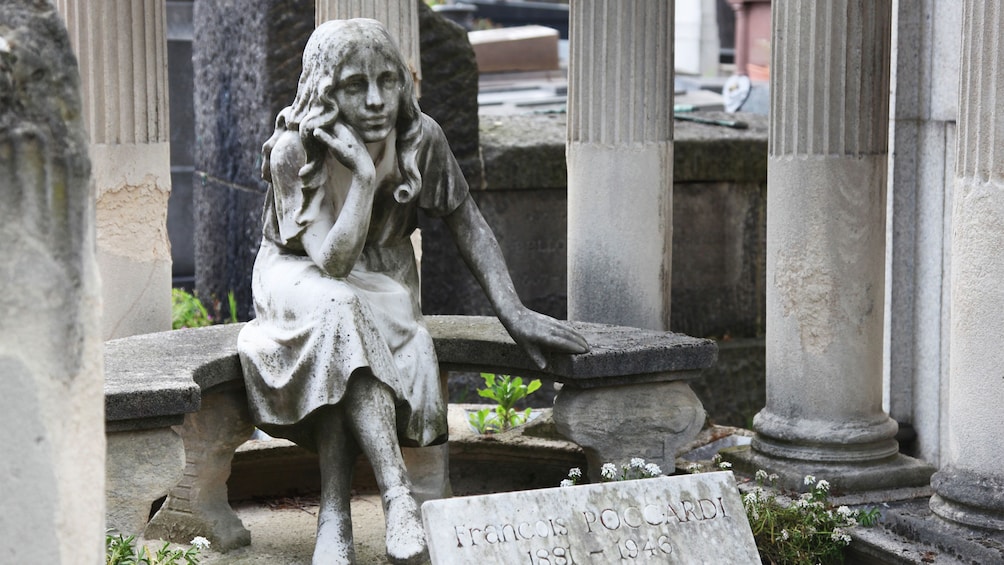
x,y
313,331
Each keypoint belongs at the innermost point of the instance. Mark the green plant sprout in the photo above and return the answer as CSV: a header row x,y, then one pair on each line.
x,y
506,391
121,550
483,421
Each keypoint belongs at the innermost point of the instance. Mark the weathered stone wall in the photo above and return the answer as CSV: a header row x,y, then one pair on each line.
x,y
52,492
719,222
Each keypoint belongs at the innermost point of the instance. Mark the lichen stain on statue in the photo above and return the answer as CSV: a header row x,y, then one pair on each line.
x,y
338,358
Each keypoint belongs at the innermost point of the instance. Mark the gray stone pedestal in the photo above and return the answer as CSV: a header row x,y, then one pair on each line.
x,y
615,424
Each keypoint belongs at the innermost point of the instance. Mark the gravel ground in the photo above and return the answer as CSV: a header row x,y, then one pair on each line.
x,y
282,532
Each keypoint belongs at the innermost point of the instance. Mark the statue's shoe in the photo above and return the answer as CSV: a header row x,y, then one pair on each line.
x,y
405,536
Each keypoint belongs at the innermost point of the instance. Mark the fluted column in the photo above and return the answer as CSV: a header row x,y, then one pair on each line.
x,y
399,16
122,49
826,175
969,486
620,162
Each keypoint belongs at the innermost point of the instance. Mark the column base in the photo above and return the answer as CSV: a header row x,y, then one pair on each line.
x,y
850,442
894,478
914,526
968,498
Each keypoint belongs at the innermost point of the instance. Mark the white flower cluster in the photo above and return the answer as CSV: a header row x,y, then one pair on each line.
x,y
653,470
200,542
839,535
608,471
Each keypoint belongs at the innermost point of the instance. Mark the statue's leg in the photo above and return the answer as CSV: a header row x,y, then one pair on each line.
x,y
337,451
370,407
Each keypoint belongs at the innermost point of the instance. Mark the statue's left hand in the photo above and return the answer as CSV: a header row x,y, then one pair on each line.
x,y
536,333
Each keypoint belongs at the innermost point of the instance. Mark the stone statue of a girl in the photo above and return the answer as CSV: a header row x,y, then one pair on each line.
x,y
339,359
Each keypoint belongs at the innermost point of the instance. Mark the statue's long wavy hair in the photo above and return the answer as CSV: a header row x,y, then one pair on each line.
x,y
314,106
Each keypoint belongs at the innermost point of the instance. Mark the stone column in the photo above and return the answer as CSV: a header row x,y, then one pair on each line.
x,y
122,48
826,175
51,407
969,486
620,162
399,16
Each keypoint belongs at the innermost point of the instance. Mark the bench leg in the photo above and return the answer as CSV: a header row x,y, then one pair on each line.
x,y
616,423
141,466
198,505
429,470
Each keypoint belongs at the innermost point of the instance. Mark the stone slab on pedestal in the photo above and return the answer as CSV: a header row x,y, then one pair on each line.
x,y
617,355
689,519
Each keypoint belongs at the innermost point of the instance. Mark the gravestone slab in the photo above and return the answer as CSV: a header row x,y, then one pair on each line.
x,y
685,519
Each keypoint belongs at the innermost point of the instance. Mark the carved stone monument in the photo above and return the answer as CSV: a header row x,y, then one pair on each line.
x,y
339,358
692,519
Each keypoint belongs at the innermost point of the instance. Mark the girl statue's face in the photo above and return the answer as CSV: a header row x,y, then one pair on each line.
x,y
368,94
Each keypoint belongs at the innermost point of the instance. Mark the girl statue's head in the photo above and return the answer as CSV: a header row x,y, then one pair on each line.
x,y
334,50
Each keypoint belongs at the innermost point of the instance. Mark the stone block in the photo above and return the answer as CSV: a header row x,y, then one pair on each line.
x,y
228,231
529,226
522,48
734,389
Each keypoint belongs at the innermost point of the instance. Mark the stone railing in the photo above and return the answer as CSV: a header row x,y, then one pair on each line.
x,y
176,411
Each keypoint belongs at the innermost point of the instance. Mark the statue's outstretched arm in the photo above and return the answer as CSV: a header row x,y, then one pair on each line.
x,y
534,331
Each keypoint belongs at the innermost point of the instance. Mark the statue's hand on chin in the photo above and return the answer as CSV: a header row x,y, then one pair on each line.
x,y
348,147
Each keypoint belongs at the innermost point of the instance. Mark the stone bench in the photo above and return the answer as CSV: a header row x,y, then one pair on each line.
x,y
176,410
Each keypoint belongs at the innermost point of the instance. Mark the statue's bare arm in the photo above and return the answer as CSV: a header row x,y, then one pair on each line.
x,y
335,248
534,331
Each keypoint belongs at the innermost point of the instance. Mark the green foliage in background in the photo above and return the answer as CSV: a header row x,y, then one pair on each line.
x,y
187,311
